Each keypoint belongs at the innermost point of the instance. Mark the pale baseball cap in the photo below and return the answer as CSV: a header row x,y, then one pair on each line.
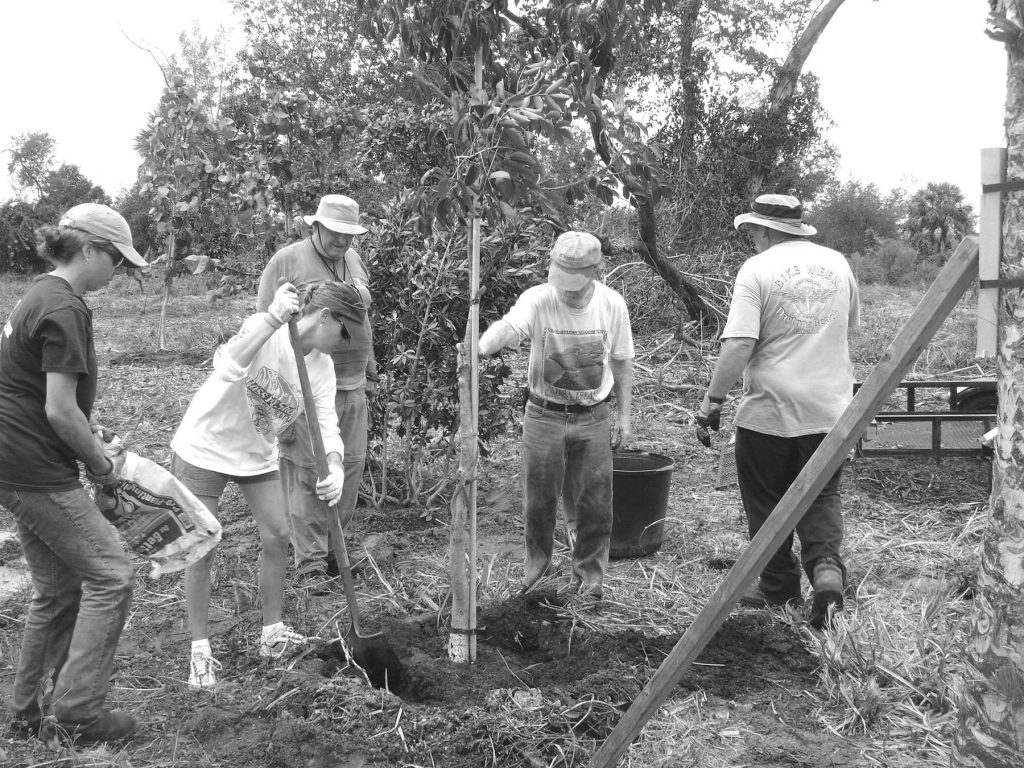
x,y
572,256
339,214
104,222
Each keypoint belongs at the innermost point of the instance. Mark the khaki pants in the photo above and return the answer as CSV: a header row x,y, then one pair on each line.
x,y
306,513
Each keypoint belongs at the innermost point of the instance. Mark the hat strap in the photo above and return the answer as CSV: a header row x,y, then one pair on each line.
x,y
781,213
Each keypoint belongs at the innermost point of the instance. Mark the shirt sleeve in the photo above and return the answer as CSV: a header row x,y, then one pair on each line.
x,y
358,275
268,284
744,319
621,336
63,336
224,366
323,383
523,314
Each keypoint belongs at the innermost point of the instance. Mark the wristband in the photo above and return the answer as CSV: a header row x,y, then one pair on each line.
x,y
272,321
716,400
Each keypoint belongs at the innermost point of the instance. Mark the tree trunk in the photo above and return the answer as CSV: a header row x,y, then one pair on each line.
x,y
642,198
690,81
641,195
990,731
785,85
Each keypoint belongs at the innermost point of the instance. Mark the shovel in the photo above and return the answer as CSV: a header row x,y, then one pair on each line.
x,y
371,652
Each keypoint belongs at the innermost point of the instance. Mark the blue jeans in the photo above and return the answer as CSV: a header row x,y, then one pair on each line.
x,y
568,455
306,513
82,589
766,466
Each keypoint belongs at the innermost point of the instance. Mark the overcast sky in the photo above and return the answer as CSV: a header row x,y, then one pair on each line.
x,y
915,87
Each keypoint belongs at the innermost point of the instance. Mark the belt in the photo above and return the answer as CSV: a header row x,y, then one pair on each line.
x,y
562,407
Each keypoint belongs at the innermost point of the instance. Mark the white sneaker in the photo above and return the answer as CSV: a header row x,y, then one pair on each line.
x,y
279,641
203,673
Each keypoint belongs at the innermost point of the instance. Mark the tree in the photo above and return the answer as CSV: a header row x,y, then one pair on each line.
x,y
32,157
182,175
851,217
362,135
990,730
713,115
938,218
53,191
599,56
67,186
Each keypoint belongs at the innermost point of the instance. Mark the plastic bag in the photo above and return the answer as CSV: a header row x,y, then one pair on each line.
x,y
158,517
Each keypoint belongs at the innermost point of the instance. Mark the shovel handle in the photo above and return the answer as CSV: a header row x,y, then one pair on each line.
x,y
320,454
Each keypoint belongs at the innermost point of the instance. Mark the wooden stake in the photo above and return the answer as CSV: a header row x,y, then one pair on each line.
x,y
462,640
168,279
990,222
936,304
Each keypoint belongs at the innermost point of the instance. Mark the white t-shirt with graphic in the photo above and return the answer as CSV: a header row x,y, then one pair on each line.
x,y
798,299
231,425
570,348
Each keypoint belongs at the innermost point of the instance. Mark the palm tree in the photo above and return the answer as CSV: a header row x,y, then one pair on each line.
x,y
938,218
992,701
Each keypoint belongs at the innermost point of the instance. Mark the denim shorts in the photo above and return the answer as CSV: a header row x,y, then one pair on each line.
x,y
209,482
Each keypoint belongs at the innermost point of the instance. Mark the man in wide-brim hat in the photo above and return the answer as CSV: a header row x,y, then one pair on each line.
x,y
792,307
326,255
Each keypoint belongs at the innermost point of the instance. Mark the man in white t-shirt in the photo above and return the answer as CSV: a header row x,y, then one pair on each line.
x,y
791,310
581,349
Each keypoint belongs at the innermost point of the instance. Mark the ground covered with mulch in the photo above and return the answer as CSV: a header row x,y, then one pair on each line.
x,y
554,673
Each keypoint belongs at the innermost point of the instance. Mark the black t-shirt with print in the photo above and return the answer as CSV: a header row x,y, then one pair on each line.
x,y
49,331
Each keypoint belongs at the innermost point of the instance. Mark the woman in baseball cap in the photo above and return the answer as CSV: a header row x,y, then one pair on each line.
x,y
230,433
81,575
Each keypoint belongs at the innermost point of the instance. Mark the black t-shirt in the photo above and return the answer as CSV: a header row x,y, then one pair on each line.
x,y
49,331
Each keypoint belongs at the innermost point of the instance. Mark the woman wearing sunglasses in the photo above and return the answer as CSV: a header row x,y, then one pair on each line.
x,y
230,432
81,575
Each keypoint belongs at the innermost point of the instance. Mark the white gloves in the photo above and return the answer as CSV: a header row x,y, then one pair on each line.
x,y
329,489
285,304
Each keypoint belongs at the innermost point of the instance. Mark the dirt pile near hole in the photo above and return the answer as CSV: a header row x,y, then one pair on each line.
x,y
541,682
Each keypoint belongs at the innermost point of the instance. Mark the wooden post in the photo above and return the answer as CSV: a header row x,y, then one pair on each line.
x,y
993,171
932,310
168,279
462,640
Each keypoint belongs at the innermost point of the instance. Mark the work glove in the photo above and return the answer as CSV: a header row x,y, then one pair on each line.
x,y
372,379
708,418
113,475
622,435
285,304
104,435
113,449
329,489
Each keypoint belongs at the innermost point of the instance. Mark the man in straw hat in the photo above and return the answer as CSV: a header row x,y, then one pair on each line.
x,y
581,349
326,255
792,307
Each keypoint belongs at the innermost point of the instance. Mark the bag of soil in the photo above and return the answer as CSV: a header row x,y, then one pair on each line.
x,y
158,517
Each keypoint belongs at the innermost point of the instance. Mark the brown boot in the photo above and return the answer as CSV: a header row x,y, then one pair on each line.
x,y
111,725
828,593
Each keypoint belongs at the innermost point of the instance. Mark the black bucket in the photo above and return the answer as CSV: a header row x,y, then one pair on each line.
x,y
640,483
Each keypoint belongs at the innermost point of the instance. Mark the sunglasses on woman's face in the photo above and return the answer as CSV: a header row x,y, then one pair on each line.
x,y
115,255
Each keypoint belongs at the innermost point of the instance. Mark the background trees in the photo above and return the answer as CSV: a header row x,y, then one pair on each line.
x,y
46,190
642,121
937,218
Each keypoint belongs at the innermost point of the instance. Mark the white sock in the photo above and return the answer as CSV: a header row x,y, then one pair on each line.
x,y
270,629
202,645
